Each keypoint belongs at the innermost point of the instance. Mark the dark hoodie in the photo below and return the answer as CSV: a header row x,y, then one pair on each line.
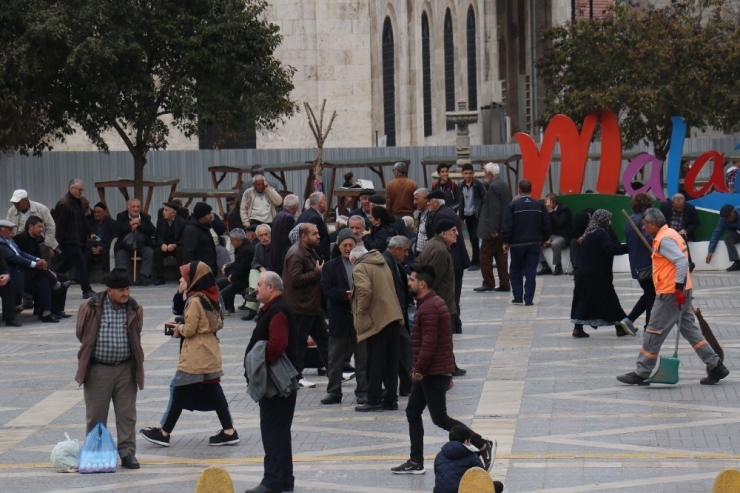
x,y
450,464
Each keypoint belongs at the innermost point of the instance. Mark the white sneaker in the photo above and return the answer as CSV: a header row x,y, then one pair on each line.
x,y
346,377
305,384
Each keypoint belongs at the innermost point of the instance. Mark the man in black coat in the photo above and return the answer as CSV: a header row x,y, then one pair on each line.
x,y
168,238
315,215
365,206
7,293
102,226
561,224
336,283
237,272
459,252
681,216
72,232
197,241
133,221
394,255
283,223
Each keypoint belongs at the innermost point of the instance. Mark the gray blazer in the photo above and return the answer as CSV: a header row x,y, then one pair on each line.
x,y
492,209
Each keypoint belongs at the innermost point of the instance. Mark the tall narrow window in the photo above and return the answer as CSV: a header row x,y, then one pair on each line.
x,y
449,48
389,85
426,69
472,66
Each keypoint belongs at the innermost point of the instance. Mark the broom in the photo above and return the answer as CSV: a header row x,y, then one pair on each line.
x,y
706,331
667,369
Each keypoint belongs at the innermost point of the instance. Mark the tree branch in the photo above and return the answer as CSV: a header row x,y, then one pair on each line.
x,y
124,136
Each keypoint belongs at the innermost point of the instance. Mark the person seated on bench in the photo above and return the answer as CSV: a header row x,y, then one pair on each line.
x,y
102,226
562,232
729,220
30,273
135,230
168,238
30,241
237,272
682,217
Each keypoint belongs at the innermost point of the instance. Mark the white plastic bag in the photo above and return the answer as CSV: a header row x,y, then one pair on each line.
x,y
66,455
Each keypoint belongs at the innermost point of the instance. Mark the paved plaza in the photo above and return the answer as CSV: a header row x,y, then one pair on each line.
x,y
562,421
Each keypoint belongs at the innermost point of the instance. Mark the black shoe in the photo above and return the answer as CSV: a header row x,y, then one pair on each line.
x,y
528,303
458,330
143,281
50,319
691,266
155,436
288,488
250,315
332,399
361,399
734,267
627,327
61,315
459,372
578,332
243,306
368,408
544,270
517,302
715,375
633,378
488,454
348,368
408,468
404,393
130,462
558,270
621,332
502,290
61,285
159,282
13,323
251,296
88,294
390,406
221,438
322,372
482,289
474,267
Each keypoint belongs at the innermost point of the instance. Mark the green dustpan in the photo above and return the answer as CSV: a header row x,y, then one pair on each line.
x,y
667,369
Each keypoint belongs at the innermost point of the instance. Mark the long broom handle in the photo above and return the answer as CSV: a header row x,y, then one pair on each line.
x,y
678,332
637,230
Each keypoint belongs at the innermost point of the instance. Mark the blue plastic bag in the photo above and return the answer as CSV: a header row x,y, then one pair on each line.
x,y
99,453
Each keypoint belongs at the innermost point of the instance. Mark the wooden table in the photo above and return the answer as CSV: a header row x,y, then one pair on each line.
x,y
374,164
277,170
195,193
150,182
512,164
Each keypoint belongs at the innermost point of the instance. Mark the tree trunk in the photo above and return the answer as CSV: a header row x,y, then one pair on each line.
x,y
139,162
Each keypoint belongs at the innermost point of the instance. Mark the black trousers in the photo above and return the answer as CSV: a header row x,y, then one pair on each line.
x,y
456,322
228,293
431,392
276,418
39,283
74,259
404,361
159,257
209,392
471,223
7,293
382,365
645,303
103,258
314,326
339,347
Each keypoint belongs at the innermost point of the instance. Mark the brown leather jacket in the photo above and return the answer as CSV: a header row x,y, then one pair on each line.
x,y
302,281
88,323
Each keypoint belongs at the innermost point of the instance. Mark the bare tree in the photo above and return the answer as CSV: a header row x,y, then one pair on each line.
x,y
317,127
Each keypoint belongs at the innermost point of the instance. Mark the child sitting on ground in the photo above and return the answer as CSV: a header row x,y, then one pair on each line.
x,y
455,458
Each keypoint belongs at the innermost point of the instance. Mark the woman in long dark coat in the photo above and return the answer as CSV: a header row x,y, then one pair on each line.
x,y
595,301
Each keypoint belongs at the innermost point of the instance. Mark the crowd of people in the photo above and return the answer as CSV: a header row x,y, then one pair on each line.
x,y
387,254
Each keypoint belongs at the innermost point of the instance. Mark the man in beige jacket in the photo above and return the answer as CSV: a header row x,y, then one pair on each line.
x,y
258,205
378,321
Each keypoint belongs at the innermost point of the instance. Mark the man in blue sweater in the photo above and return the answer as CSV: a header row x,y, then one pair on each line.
x,y
729,219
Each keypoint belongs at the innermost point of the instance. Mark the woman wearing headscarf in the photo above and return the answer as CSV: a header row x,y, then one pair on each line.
x,y
381,229
641,260
199,370
595,301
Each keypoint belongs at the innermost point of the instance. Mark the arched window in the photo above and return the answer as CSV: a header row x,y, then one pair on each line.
x,y
449,48
426,71
389,85
472,66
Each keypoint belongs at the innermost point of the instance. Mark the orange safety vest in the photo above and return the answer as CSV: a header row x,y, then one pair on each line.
x,y
664,271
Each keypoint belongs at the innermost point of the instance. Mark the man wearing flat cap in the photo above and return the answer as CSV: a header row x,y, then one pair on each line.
x,y
169,238
7,292
198,243
23,208
729,220
365,205
111,360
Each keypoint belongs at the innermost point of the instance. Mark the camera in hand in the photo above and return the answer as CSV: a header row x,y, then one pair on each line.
x,y
169,328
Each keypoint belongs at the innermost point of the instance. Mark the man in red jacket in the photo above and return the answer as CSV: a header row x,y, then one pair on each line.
x,y
431,372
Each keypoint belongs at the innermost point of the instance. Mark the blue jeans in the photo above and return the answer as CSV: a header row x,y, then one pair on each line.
x,y
524,261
